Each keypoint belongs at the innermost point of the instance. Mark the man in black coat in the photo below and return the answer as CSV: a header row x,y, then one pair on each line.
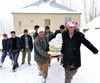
x,y
72,40
15,47
61,30
27,46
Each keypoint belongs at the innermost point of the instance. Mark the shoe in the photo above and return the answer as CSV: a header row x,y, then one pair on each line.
x,y
40,74
49,65
14,67
1,65
17,66
13,70
43,80
22,63
29,64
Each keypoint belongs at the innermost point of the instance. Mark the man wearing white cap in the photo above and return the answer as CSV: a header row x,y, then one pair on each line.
x,y
41,47
72,40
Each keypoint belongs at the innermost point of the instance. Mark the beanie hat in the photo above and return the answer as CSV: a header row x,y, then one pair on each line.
x,y
5,35
40,29
70,24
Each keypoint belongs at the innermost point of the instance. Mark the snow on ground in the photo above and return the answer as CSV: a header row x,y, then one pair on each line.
x,y
89,72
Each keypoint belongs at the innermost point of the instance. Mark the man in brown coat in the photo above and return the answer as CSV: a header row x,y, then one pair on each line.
x,y
41,47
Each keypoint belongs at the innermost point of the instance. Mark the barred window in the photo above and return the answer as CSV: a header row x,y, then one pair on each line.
x,y
67,19
46,22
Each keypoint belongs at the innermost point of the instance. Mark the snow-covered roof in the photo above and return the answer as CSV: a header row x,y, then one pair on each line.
x,y
45,7
93,24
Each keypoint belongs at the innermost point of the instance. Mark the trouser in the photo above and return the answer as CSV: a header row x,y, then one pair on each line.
x,y
24,55
69,74
44,68
15,55
4,54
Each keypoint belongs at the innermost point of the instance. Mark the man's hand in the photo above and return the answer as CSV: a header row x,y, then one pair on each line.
x,y
50,57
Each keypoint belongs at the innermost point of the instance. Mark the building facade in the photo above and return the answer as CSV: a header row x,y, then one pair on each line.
x,y
42,13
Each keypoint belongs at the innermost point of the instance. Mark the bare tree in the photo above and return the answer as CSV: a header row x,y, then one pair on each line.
x,y
85,12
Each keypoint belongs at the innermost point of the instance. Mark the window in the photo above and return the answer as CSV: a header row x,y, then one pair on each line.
x,y
19,23
67,19
47,22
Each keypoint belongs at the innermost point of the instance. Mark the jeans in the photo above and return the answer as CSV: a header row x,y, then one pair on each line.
x,y
4,54
15,55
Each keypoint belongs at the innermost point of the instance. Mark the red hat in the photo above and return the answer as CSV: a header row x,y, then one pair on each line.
x,y
74,22
70,24
5,35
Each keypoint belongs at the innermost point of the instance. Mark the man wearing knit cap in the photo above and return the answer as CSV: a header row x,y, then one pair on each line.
x,y
5,49
72,40
41,47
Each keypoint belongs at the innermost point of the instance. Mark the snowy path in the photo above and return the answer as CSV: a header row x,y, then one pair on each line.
x,y
29,74
88,73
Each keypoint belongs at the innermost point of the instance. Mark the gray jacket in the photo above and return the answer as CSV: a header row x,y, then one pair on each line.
x,y
41,47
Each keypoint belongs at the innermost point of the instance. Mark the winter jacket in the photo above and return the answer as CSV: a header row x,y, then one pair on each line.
x,y
30,42
56,32
49,35
71,48
5,44
35,35
40,50
19,44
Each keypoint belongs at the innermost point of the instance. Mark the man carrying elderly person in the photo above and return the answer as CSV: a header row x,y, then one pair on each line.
x,y
41,47
72,40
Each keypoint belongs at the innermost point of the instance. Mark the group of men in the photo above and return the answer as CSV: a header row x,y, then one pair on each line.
x,y
71,37
12,47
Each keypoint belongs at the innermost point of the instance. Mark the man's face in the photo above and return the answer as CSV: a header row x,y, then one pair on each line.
x,y
71,29
25,33
36,29
41,34
62,30
47,30
13,35
5,37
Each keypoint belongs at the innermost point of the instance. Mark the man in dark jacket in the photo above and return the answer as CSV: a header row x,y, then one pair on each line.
x,y
15,48
27,46
61,30
72,40
36,27
41,47
49,34
5,49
